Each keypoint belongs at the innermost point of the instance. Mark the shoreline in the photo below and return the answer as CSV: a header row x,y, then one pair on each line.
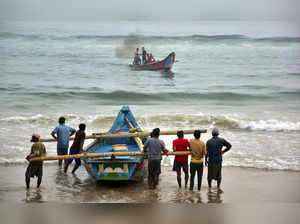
x,y
240,185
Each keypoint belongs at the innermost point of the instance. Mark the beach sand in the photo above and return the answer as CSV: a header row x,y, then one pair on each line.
x,y
240,185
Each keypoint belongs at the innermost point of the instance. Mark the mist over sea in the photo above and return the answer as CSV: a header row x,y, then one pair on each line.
x,y
242,77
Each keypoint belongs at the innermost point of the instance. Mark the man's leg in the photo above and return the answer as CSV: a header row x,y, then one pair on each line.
x,y
155,181
27,181
39,181
219,183
75,168
179,177
77,165
209,183
192,170
186,174
199,175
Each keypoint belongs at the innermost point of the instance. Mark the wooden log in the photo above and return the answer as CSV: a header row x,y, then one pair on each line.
x,y
141,134
95,155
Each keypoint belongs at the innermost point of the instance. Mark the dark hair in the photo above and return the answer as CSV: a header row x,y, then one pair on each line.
x,y
61,120
197,134
82,127
34,139
156,132
180,134
151,134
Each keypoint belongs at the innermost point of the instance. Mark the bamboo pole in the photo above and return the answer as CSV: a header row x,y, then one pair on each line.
x,y
141,134
94,155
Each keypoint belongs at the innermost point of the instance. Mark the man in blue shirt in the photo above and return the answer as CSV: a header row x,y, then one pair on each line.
x,y
62,134
154,146
214,157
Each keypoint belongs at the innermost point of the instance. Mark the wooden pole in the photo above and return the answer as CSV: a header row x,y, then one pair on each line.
x,y
94,155
142,134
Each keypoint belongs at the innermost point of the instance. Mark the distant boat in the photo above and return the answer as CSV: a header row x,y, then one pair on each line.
x,y
165,64
118,168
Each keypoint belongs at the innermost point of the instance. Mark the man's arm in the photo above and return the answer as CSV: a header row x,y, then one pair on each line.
x,y
81,144
164,147
73,131
206,155
174,147
53,135
228,147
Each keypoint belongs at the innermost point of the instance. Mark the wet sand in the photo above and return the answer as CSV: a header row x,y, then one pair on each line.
x,y
240,185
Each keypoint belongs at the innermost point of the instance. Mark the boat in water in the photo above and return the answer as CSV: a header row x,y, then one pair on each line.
x,y
117,168
165,64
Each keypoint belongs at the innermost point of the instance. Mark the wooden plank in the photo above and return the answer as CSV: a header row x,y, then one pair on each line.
x,y
95,155
142,134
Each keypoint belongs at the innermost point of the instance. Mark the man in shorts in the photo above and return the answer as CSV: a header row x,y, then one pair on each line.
x,y
181,145
214,157
35,168
154,146
62,134
76,148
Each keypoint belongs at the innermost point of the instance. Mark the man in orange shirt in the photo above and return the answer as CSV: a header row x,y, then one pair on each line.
x,y
181,144
198,151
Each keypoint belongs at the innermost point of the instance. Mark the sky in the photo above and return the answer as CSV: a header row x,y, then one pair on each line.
x,y
95,10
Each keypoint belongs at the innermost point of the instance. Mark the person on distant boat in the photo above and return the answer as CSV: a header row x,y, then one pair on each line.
x,y
144,55
179,145
35,168
62,134
137,58
76,148
154,146
198,151
151,58
214,158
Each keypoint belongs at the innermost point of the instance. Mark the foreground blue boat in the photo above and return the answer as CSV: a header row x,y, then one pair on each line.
x,y
118,168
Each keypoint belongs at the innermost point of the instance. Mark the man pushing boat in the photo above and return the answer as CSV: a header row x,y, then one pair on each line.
x,y
154,146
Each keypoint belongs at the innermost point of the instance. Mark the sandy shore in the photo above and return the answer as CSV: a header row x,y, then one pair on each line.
x,y
240,185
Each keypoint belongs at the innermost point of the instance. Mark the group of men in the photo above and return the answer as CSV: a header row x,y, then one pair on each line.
x,y
212,151
62,134
146,57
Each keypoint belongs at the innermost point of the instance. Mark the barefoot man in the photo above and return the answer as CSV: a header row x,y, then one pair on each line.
x,y
214,157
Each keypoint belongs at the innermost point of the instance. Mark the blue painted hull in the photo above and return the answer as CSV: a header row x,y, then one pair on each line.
x,y
119,168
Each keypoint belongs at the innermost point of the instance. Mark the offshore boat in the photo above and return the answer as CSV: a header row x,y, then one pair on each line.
x,y
165,64
117,168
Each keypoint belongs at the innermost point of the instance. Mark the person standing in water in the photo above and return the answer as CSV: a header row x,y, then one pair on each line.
x,y
198,151
62,134
214,158
181,145
76,148
153,147
35,168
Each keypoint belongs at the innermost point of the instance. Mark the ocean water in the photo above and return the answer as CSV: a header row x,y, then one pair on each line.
x,y
242,77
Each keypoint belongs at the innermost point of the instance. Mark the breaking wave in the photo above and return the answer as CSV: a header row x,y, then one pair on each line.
x,y
230,122
143,38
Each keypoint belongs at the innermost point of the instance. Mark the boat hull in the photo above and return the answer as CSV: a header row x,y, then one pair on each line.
x,y
165,64
117,168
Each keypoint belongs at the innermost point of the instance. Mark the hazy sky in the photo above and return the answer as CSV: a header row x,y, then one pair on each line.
x,y
96,10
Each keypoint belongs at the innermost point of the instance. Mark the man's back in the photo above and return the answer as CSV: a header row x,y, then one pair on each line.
x,y
154,147
198,150
63,135
79,140
181,144
214,148
38,149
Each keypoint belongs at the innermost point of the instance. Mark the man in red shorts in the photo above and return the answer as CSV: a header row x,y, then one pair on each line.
x,y
181,144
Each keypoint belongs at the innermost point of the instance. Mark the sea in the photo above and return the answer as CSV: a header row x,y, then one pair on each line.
x,y
242,77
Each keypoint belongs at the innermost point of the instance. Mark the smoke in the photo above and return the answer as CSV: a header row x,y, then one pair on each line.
x,y
127,49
